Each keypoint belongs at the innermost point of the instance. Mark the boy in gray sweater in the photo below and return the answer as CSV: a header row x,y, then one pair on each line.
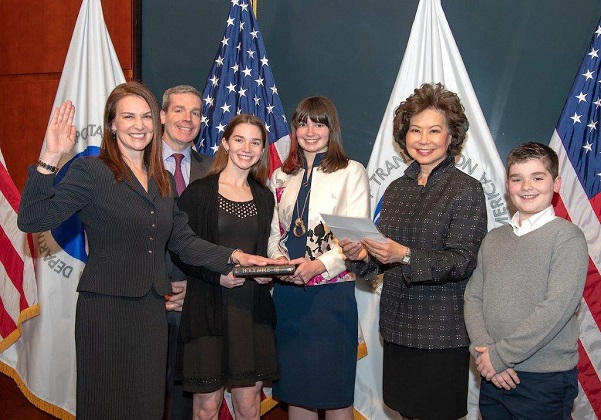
x,y
521,301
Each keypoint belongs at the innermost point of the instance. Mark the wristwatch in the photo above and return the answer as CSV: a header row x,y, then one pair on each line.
x,y
407,258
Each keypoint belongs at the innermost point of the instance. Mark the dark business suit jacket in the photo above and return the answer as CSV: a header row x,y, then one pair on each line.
x,y
199,166
128,229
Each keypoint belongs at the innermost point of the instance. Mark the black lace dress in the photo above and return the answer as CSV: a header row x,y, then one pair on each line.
x,y
245,352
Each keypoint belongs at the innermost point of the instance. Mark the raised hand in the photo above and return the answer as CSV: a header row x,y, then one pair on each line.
x,y
60,134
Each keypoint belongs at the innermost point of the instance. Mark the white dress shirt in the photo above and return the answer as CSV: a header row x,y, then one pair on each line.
x,y
533,222
169,161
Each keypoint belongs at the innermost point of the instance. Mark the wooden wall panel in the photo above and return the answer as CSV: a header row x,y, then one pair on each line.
x,y
35,35
25,105
34,39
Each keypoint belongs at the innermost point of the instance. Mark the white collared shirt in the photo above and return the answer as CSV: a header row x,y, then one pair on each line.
x,y
533,222
169,161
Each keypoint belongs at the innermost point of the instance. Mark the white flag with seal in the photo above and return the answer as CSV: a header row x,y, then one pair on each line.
x,y
42,362
431,56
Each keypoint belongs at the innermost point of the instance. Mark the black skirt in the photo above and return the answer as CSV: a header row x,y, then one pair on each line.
x,y
426,384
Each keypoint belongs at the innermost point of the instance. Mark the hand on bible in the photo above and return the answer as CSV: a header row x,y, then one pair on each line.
x,y
242,258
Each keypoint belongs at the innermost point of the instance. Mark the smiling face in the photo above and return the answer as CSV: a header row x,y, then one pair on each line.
x,y
181,120
312,137
132,125
531,186
244,146
428,138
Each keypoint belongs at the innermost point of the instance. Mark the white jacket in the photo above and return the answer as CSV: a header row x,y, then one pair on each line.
x,y
344,193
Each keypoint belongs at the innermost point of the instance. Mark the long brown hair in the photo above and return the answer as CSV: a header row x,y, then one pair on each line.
x,y
318,109
260,170
110,153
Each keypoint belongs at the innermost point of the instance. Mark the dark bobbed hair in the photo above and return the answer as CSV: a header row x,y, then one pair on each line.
x,y
110,153
318,109
260,170
176,90
528,151
431,96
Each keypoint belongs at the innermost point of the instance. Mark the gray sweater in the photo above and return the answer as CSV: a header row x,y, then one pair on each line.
x,y
522,298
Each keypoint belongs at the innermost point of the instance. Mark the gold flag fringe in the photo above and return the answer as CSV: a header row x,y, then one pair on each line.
x,y
25,315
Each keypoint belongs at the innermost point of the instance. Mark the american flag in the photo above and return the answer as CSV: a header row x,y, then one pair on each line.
x,y
241,81
18,289
577,141
45,354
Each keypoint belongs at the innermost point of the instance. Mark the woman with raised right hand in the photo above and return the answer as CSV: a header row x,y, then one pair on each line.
x,y
125,200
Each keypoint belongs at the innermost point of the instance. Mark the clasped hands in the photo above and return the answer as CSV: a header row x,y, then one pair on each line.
x,y
507,379
391,252
175,300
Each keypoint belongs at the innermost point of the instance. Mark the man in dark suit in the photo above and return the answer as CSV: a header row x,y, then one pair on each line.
x,y
180,115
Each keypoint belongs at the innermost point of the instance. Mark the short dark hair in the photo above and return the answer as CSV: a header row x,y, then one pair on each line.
x,y
176,90
528,151
431,96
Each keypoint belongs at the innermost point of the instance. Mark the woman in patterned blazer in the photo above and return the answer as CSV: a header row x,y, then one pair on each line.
x,y
435,218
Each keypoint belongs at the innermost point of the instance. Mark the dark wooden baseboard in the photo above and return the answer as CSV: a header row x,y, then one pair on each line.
x,y
14,405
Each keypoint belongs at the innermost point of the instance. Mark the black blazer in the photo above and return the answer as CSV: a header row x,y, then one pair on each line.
x,y
128,229
199,166
202,314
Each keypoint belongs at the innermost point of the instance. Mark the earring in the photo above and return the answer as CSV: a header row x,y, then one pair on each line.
x,y
227,151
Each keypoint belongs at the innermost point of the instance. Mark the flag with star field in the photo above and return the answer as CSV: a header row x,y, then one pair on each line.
x,y
241,81
577,141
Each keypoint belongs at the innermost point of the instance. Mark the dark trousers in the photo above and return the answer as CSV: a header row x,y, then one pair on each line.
x,y
179,402
548,396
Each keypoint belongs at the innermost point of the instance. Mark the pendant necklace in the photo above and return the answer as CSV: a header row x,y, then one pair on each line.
x,y
299,228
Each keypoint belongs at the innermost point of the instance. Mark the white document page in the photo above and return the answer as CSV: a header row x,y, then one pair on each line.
x,y
353,228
